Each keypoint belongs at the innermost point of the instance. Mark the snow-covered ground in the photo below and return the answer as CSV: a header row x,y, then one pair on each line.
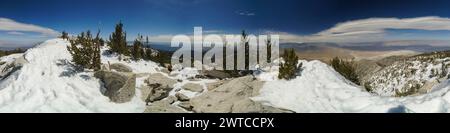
x,y
47,84
320,89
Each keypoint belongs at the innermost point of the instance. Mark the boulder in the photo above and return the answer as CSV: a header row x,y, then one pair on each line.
x,y
158,78
233,97
157,92
182,97
7,68
120,87
120,67
170,99
193,87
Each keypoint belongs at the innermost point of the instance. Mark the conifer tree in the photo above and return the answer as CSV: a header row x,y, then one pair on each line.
x,y
85,51
142,48
148,50
64,35
137,48
118,40
96,61
288,70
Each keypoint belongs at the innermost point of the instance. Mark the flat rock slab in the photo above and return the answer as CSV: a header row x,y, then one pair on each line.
x,y
233,97
193,87
158,78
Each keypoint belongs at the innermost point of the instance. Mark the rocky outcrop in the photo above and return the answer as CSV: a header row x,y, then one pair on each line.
x,y
213,85
158,78
233,97
181,97
7,68
120,67
193,87
159,87
120,87
157,92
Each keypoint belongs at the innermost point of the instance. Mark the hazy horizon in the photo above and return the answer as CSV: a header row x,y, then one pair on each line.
x,y
411,22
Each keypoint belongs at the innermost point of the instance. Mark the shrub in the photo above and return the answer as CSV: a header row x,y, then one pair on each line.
x,y
288,70
346,69
85,51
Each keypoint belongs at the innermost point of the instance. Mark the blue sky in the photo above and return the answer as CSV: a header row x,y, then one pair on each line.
x,y
290,18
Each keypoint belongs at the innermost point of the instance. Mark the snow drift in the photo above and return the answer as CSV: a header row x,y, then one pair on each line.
x,y
47,83
320,89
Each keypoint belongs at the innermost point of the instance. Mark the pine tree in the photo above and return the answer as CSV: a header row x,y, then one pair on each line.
x,y
96,61
85,51
136,52
118,40
148,50
289,69
142,48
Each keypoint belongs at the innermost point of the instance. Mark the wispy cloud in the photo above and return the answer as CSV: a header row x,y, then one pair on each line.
x,y
375,29
356,31
245,13
15,27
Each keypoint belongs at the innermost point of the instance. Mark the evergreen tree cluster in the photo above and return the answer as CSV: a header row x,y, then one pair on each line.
x,y
85,51
118,41
289,68
346,69
139,50
64,35
142,50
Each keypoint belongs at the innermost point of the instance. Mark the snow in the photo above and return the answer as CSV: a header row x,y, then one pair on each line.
x,y
139,66
320,89
46,84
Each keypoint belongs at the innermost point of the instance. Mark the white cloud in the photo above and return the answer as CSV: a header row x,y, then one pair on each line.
x,y
10,25
374,29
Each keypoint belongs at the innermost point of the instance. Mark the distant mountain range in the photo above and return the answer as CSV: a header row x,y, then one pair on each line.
x,y
371,46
